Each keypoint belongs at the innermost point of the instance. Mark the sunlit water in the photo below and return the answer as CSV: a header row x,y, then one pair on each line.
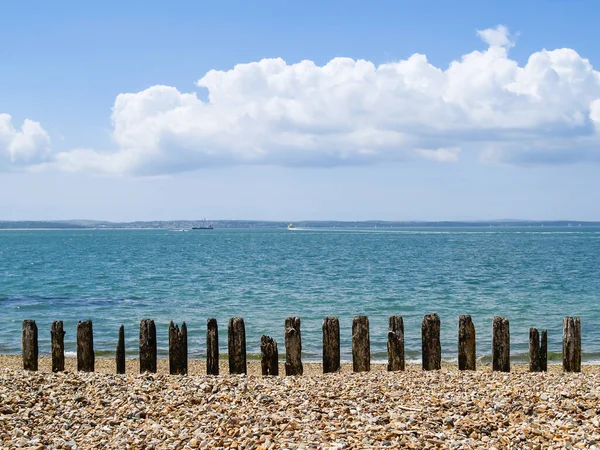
x,y
533,276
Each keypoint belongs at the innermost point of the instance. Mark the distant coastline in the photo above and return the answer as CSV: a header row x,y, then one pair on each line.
x,y
188,224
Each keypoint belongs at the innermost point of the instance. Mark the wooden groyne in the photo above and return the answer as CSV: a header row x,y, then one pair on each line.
x,y
361,353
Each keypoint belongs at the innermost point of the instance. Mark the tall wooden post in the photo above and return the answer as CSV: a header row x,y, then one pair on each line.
x,y
212,347
395,344
538,352
148,346
572,344
430,339
29,345
269,362
178,349
120,353
501,345
544,352
331,344
57,337
237,346
466,343
85,346
293,347
361,344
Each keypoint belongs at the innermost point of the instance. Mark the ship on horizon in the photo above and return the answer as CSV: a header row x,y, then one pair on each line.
x,y
204,226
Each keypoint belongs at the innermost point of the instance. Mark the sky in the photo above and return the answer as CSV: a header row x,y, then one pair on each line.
x,y
280,110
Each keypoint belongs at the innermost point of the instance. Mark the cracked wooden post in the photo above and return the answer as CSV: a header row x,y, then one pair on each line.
x,y
331,344
501,345
178,349
85,346
29,345
293,347
57,337
395,344
147,346
466,343
212,347
120,353
269,362
237,346
538,353
361,344
431,346
571,344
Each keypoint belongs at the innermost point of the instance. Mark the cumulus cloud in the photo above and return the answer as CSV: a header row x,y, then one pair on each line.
x,y
20,148
350,112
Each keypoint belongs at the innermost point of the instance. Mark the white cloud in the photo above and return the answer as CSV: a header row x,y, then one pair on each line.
x,y
353,112
496,37
21,148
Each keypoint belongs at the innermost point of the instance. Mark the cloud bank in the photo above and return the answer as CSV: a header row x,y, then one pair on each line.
x,y
351,112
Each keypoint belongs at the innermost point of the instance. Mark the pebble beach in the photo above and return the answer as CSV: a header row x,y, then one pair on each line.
x,y
410,409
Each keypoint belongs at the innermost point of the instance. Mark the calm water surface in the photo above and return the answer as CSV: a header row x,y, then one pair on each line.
x,y
533,276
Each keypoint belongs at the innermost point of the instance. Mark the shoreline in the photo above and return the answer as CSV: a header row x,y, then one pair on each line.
x,y
197,367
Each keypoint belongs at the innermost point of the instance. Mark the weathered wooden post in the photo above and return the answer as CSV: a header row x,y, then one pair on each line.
x,y
147,346
361,344
178,349
538,354
269,362
120,353
395,344
29,345
212,347
431,346
85,346
572,344
57,337
544,351
331,344
466,343
237,346
501,345
293,347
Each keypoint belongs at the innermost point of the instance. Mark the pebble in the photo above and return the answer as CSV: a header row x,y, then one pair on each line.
x,y
411,409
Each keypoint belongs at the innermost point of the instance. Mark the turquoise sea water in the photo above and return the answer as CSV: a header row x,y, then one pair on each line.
x,y
533,276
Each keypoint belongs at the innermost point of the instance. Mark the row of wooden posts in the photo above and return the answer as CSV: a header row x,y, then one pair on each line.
x,y
361,353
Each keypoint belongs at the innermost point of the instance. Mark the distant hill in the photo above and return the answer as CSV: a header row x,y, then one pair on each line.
x,y
28,224
187,224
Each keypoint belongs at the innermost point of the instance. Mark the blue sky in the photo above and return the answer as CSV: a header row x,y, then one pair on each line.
x,y
153,111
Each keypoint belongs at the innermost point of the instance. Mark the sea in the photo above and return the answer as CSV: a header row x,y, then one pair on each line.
x,y
534,276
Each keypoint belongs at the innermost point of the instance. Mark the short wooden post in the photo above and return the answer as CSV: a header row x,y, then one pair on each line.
x,y
395,344
538,353
430,339
572,344
85,346
57,338
331,344
147,346
270,357
501,345
361,344
29,345
120,353
293,347
466,343
178,349
237,346
212,347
